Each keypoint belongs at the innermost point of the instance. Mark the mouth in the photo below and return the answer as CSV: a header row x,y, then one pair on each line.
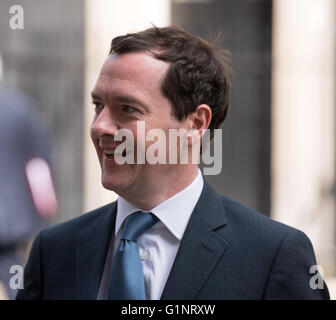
x,y
110,153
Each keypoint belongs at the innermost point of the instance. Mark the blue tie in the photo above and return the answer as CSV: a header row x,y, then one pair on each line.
x,y
127,278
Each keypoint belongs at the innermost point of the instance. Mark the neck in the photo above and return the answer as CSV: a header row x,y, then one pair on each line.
x,y
157,191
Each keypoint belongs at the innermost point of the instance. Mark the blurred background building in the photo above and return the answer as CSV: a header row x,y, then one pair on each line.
x,y
279,137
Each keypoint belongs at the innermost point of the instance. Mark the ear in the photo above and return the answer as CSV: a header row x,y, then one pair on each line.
x,y
199,120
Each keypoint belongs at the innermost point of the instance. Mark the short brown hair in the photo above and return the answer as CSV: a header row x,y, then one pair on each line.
x,y
197,73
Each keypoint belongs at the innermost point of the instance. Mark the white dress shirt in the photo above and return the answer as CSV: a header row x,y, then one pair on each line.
x,y
158,245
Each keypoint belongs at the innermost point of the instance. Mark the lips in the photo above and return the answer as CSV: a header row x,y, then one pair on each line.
x,y
108,150
111,153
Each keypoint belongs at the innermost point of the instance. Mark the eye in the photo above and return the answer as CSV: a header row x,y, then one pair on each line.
x,y
129,109
98,106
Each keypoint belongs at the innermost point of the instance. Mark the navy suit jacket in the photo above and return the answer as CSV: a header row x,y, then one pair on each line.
x,y
227,252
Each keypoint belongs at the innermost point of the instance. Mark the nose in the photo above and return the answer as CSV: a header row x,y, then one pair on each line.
x,y
103,124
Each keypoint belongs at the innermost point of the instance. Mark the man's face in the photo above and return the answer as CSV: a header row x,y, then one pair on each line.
x,y
128,90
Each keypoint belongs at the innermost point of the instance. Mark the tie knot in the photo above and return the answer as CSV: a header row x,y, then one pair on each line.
x,y
136,224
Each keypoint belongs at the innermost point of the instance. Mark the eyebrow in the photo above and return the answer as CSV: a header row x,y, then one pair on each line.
x,y
123,99
95,95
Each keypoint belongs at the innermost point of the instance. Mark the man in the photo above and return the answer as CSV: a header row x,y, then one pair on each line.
x,y
27,195
193,242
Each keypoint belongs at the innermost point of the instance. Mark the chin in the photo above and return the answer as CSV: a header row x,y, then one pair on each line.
x,y
114,183
111,185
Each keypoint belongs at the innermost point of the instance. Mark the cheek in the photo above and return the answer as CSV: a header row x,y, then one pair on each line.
x,y
93,136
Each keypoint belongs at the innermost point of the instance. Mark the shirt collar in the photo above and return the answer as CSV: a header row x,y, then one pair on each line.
x,y
174,212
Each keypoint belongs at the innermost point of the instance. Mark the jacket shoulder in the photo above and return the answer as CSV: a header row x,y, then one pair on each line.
x,y
72,228
255,226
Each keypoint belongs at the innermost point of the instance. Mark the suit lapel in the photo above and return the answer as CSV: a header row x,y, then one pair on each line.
x,y
92,248
200,248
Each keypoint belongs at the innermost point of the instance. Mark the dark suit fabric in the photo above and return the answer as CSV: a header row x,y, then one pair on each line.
x,y
227,252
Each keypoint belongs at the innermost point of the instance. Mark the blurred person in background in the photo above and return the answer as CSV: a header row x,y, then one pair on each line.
x,y
27,195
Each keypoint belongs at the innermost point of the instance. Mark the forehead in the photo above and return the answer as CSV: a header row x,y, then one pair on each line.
x,y
136,70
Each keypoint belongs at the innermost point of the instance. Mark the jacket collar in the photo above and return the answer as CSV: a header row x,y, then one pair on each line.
x,y
92,247
201,246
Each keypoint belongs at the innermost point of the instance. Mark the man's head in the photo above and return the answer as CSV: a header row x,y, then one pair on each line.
x,y
197,74
165,79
